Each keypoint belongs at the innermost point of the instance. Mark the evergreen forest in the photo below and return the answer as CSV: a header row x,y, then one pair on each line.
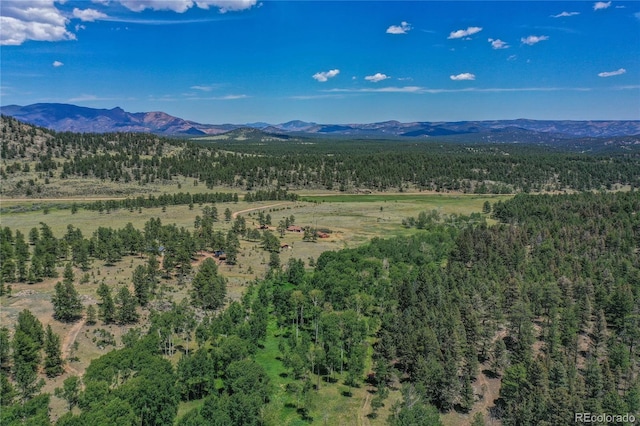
x,y
523,313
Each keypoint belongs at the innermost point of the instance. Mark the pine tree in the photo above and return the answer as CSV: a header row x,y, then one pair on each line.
x,y
31,326
499,358
70,391
22,256
107,307
467,395
53,354
4,348
26,357
141,285
7,263
68,275
232,246
486,207
152,272
209,288
66,302
126,313
91,315
7,392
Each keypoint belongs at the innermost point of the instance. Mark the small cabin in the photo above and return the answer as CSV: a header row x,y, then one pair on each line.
x,y
294,228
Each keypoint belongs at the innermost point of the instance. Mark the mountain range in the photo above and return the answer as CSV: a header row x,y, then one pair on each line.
x,y
65,117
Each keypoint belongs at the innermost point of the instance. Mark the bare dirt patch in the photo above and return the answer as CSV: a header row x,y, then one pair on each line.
x,y
68,341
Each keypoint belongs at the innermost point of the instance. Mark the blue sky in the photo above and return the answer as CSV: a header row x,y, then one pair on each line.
x,y
243,61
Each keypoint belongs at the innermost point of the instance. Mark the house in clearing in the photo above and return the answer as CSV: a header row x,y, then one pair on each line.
x,y
322,235
285,246
294,228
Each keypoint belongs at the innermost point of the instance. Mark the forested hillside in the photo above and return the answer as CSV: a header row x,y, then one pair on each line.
x,y
547,301
36,161
523,313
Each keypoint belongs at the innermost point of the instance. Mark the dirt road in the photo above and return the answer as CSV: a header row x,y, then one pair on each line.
x,y
234,215
67,343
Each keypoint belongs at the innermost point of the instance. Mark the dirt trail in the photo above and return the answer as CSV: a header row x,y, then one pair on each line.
x,y
67,343
234,215
366,408
489,388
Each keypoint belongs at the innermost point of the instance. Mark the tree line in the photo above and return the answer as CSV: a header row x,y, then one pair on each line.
x,y
547,300
379,165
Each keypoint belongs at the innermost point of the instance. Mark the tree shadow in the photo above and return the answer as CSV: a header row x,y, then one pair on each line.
x,y
304,414
460,409
490,374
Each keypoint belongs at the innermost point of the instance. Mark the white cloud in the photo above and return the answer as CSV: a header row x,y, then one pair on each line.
x,y
181,6
308,97
88,15
325,75
498,44
464,33
40,20
532,39
612,73
226,5
102,2
88,98
601,5
424,90
203,88
57,64
174,5
231,97
565,14
463,76
392,89
403,28
376,77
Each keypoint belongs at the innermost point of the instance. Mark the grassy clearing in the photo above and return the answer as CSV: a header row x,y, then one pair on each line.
x,y
351,220
186,406
350,223
327,406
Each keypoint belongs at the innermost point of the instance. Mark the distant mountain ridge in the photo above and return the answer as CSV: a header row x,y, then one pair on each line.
x,y
73,118
65,117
